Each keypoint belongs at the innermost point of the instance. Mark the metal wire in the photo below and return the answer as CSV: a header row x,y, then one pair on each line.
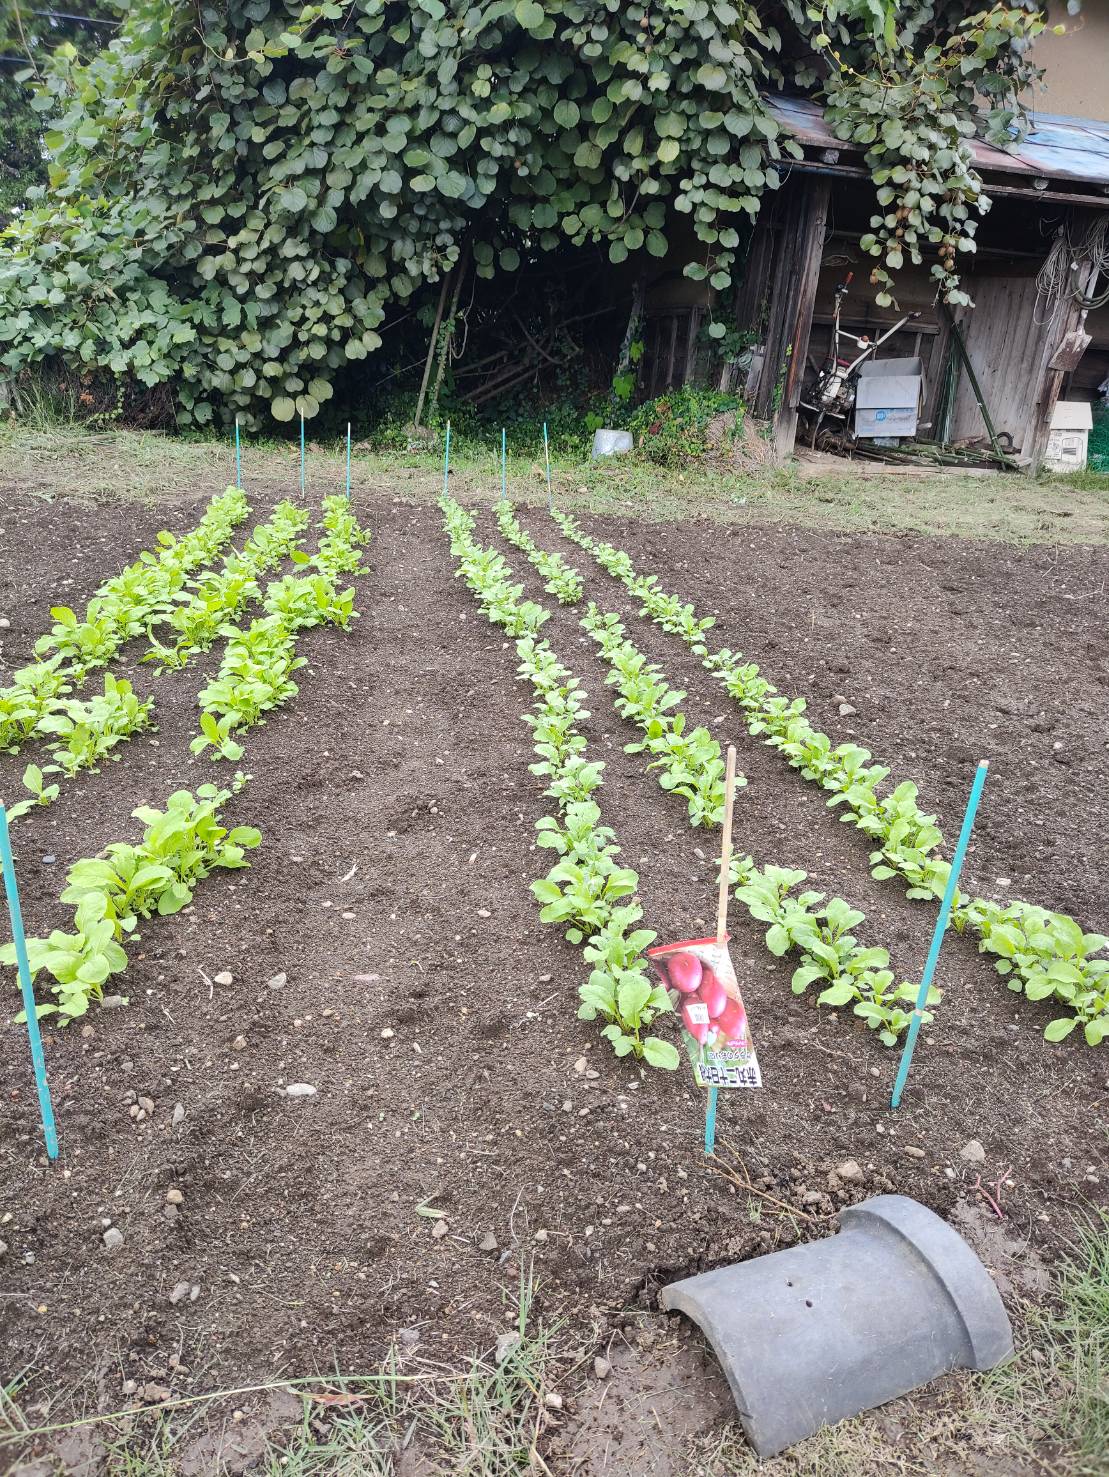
x,y
1057,280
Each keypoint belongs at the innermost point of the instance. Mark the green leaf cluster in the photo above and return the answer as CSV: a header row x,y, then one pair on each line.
x,y
913,110
256,673
239,195
111,892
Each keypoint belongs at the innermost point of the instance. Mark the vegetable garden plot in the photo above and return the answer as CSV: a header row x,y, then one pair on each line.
x,y
182,844
690,764
473,1123
586,890
1046,954
124,606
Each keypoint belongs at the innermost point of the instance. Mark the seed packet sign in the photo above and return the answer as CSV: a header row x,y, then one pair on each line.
x,y
703,990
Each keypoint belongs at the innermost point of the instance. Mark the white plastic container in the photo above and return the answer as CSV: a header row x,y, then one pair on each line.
x,y
1068,443
611,443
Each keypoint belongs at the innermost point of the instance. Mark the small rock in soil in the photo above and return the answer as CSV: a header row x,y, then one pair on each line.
x,y
113,1239
849,1172
505,1345
300,1089
439,1230
973,1152
180,1293
178,1115
541,1236
5,623
601,1368
239,1043
913,1152
3,1247
50,859
553,1400
278,982
175,1197
846,710
225,977
489,1242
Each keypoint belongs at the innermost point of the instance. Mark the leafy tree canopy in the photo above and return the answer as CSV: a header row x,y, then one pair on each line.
x,y
27,38
238,193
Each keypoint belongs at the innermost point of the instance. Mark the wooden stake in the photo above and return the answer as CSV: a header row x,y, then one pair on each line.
x,y
722,917
726,848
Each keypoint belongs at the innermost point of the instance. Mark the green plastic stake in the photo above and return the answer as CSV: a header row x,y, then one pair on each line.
x,y
504,467
38,1059
710,1121
302,456
238,457
547,460
348,461
938,932
447,459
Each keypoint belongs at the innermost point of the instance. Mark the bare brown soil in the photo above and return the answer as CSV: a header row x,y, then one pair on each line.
x,y
434,1014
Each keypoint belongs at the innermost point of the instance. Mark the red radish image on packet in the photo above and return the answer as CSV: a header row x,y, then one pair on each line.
x,y
704,991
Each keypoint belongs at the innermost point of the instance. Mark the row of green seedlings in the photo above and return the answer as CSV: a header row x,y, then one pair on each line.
x,y
1045,955
219,596
692,765
111,892
88,731
559,578
182,844
127,605
587,892
256,673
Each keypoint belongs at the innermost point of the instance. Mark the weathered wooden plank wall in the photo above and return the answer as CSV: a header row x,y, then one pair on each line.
x,y
1005,341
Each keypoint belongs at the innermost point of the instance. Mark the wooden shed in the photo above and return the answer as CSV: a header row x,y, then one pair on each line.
x,y
1036,279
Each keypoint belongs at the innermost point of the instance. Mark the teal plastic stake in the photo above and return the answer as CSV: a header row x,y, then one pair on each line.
x,y
504,466
940,929
348,461
38,1060
238,457
302,456
710,1121
547,460
447,460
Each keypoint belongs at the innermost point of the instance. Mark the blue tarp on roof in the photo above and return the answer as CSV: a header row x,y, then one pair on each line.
x,y
1055,147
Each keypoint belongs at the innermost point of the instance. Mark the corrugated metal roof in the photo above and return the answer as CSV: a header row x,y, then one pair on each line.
x,y
1055,148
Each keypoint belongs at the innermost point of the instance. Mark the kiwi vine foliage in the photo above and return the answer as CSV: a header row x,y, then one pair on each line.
x,y
242,197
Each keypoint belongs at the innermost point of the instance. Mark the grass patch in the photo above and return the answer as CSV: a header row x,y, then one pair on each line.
x,y
1058,1384
146,466
486,1420
1046,1411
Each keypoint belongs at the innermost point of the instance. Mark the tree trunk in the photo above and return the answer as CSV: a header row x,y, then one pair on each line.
x,y
430,353
624,360
447,336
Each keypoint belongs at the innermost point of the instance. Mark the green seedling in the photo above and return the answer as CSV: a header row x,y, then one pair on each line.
x,y
41,793
218,735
